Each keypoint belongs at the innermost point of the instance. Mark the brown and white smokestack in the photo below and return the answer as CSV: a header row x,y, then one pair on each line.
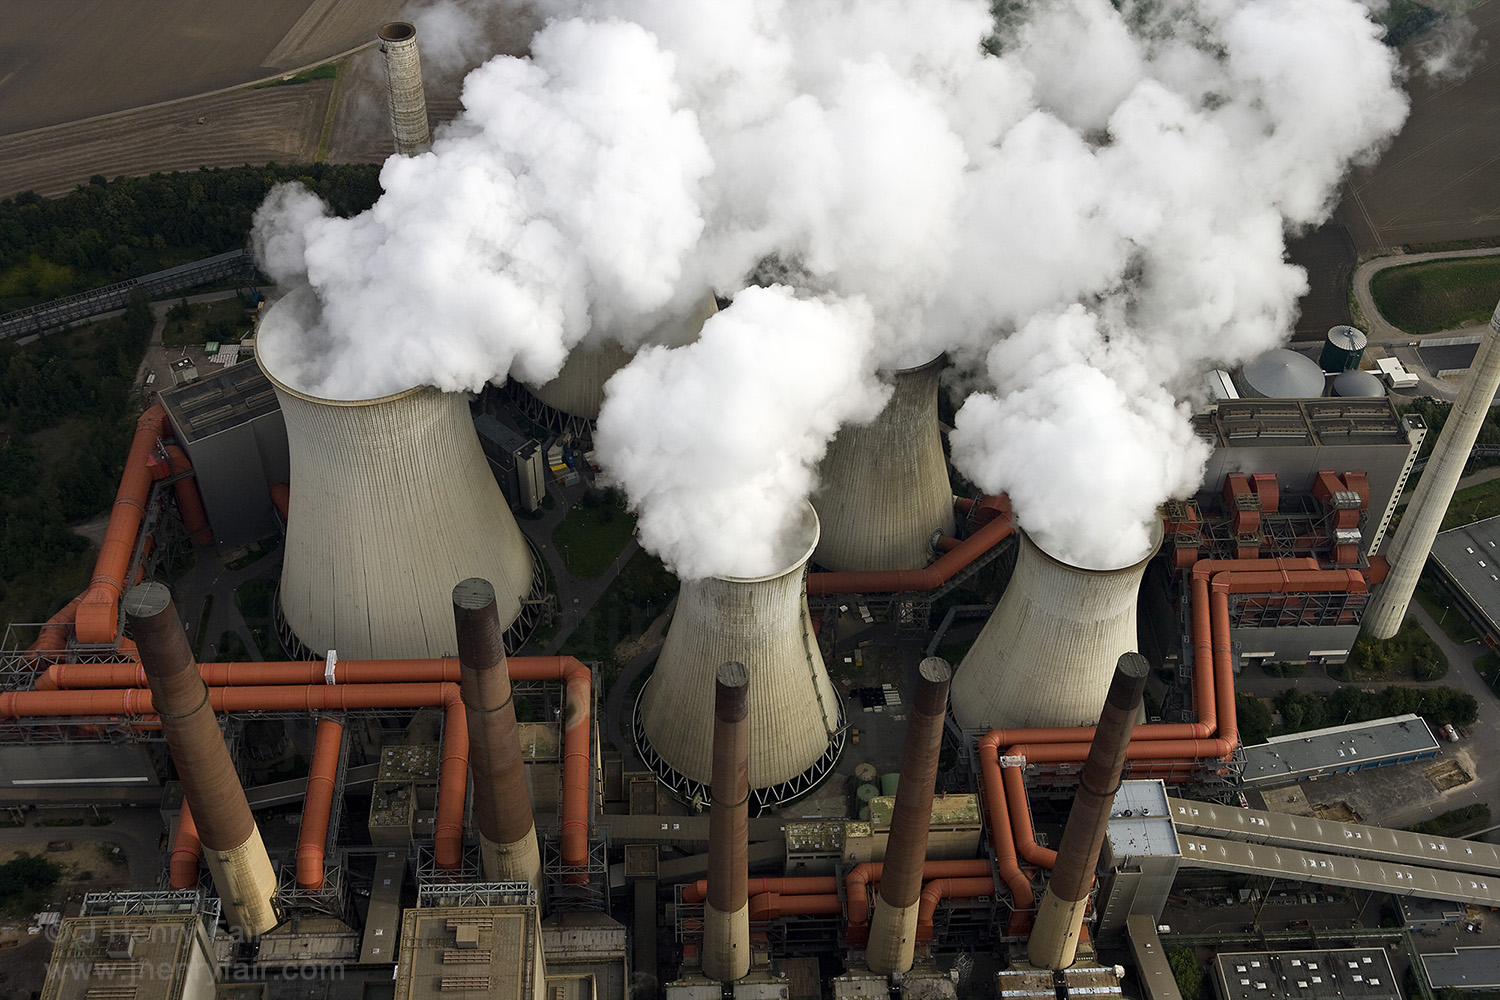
x,y
726,917
231,843
502,800
1059,919
403,77
893,926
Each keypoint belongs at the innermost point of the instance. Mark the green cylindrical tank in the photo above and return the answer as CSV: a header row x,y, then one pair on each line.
x,y
866,792
865,771
1343,350
888,783
864,814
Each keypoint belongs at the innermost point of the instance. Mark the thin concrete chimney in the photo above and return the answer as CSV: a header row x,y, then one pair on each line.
x,y
1059,918
893,927
403,77
1424,515
502,800
226,828
726,913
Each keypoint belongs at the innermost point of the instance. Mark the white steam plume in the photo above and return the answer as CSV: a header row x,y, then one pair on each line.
x,y
1084,205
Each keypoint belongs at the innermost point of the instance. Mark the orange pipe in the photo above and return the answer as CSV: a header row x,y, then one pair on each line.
x,y
186,848
939,889
770,905
1020,819
52,637
281,496
935,575
318,804
857,882
98,615
1006,858
808,885
189,500
305,672
453,786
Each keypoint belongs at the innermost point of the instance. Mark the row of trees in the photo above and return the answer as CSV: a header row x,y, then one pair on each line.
x,y
108,231
1439,705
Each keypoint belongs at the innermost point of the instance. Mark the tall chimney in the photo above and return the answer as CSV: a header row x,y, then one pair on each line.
x,y
1046,654
1424,515
231,843
502,801
726,913
893,927
403,77
1059,918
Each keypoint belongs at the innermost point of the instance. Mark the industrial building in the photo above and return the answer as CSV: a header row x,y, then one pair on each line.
x,y
1283,760
1467,560
1306,975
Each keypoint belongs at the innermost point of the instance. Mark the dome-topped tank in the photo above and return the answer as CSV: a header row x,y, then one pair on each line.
x,y
1357,383
1344,349
1282,374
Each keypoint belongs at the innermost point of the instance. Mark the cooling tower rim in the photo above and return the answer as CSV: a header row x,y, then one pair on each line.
x,y
326,401
397,31
939,361
1158,532
809,523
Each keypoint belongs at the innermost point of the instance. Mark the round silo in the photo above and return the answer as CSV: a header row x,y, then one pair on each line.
x,y
1048,651
883,487
1281,374
1356,383
392,503
796,717
1344,349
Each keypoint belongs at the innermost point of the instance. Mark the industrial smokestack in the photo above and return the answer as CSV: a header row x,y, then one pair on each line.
x,y
231,843
1424,515
403,77
1046,655
883,487
502,801
391,501
796,718
1059,918
726,913
893,927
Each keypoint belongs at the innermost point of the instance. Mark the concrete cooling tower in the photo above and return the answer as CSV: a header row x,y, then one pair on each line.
x,y
883,488
574,397
796,717
392,502
1048,652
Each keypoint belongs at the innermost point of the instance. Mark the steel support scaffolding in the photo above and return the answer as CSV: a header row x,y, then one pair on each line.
x,y
477,894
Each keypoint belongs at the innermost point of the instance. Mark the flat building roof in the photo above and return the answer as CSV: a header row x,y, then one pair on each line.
x,y
1469,558
206,406
1140,821
1309,422
1334,974
145,957
470,953
1338,748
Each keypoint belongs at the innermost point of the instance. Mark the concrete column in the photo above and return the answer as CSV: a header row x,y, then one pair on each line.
x,y
502,799
403,75
726,915
231,843
1424,515
1059,919
893,926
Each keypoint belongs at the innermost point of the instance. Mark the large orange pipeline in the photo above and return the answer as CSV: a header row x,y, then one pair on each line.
x,y
52,637
453,785
805,885
317,805
189,500
857,882
66,676
939,889
770,905
935,575
182,869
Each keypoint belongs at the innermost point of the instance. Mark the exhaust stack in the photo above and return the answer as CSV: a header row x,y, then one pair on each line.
x,y
1059,918
231,843
796,718
1409,548
884,486
893,927
502,800
1046,655
403,77
726,912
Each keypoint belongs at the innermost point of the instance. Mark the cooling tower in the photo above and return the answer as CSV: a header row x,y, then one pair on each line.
x,y
884,487
403,77
1424,515
1046,656
578,389
391,502
796,718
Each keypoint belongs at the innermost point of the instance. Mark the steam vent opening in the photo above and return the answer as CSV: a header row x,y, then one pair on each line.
x,y
397,31
796,716
1046,655
391,501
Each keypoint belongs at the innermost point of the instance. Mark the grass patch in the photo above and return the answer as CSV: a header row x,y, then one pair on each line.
x,y
327,71
1284,669
195,324
25,884
254,553
1409,653
1436,602
1488,667
1438,295
1473,503
639,594
1456,822
591,536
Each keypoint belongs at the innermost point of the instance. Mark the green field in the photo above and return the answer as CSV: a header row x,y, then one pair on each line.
x,y
591,535
1438,295
1473,503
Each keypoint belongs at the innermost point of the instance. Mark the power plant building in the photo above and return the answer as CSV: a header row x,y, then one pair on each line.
x,y
517,461
142,957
